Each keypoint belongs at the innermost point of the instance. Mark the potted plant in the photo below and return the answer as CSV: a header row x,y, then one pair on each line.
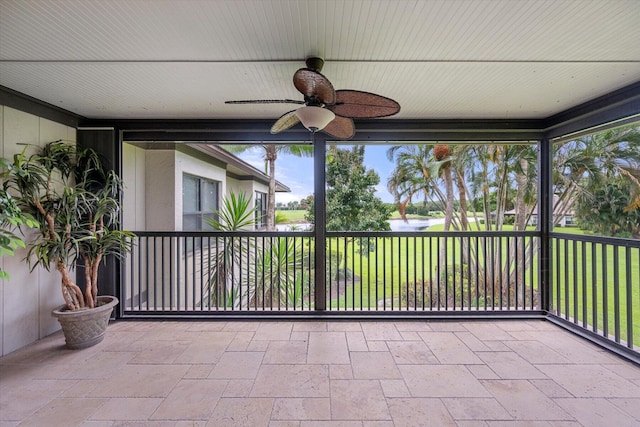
x,y
11,218
74,202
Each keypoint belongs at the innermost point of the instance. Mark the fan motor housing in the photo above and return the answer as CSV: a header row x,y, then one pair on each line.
x,y
314,63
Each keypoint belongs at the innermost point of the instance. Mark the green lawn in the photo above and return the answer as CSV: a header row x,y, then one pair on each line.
x,y
582,285
382,274
582,289
293,216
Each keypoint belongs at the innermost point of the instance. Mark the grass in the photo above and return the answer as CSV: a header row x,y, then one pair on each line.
x,y
591,281
582,289
293,216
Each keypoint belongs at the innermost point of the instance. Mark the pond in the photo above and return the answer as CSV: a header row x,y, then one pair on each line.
x,y
396,225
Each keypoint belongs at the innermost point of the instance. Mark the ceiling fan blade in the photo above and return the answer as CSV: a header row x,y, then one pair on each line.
x,y
285,121
311,84
363,105
341,128
266,101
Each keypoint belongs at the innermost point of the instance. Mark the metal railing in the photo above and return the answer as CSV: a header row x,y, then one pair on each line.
x,y
196,272
432,271
596,286
208,273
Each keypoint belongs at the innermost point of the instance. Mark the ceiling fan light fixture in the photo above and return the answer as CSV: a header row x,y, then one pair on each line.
x,y
315,118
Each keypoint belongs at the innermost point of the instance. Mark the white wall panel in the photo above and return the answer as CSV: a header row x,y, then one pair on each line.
x,y
160,190
27,298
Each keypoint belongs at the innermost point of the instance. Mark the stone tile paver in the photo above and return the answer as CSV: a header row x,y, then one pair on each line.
x,y
591,381
191,400
238,365
380,331
358,400
418,412
510,366
535,352
449,349
597,412
65,412
374,365
241,412
292,381
140,381
285,353
475,409
411,353
308,408
127,408
441,381
394,388
321,374
328,348
525,402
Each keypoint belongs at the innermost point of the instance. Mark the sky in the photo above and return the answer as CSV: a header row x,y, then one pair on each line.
x,y
297,173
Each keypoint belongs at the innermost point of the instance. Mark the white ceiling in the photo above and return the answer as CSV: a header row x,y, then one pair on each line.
x,y
438,59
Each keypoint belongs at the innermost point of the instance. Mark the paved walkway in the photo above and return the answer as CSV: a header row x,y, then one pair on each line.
x,y
312,374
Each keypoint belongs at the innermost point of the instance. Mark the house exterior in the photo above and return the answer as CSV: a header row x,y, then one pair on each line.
x,y
175,186
563,214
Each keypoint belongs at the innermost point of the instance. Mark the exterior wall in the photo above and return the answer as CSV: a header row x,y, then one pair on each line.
x,y
26,300
153,186
133,176
159,194
249,187
187,164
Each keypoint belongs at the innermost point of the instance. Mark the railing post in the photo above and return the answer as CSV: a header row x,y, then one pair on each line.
x,y
319,167
545,220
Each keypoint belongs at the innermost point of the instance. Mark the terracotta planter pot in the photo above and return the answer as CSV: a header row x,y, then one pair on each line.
x,y
85,328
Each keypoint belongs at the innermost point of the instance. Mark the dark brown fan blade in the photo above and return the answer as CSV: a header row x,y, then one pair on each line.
x,y
285,121
265,101
311,84
363,105
341,128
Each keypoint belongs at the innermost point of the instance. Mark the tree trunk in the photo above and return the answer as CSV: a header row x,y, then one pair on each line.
x,y
70,291
88,282
464,220
521,180
272,155
448,217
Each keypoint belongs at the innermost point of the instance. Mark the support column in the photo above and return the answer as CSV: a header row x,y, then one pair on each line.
x,y
545,220
319,168
107,143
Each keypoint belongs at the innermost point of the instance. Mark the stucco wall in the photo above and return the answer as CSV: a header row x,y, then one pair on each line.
x,y
153,186
26,300
134,179
248,187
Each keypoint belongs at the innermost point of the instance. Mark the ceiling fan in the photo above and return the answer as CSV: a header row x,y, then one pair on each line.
x,y
324,108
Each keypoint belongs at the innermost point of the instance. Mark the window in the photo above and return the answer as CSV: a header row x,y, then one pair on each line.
x,y
199,201
261,210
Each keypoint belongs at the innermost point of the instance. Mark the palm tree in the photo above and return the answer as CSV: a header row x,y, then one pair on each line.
x,y
411,176
584,165
271,152
229,256
479,172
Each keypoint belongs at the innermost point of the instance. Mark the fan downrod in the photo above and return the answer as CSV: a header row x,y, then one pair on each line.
x,y
314,63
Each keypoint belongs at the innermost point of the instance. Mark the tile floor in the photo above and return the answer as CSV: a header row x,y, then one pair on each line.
x,y
313,374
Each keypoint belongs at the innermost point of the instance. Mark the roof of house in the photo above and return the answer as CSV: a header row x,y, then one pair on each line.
x,y
239,168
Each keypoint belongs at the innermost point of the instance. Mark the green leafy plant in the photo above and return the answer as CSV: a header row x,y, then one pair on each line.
x,y
229,253
11,218
236,213
73,202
